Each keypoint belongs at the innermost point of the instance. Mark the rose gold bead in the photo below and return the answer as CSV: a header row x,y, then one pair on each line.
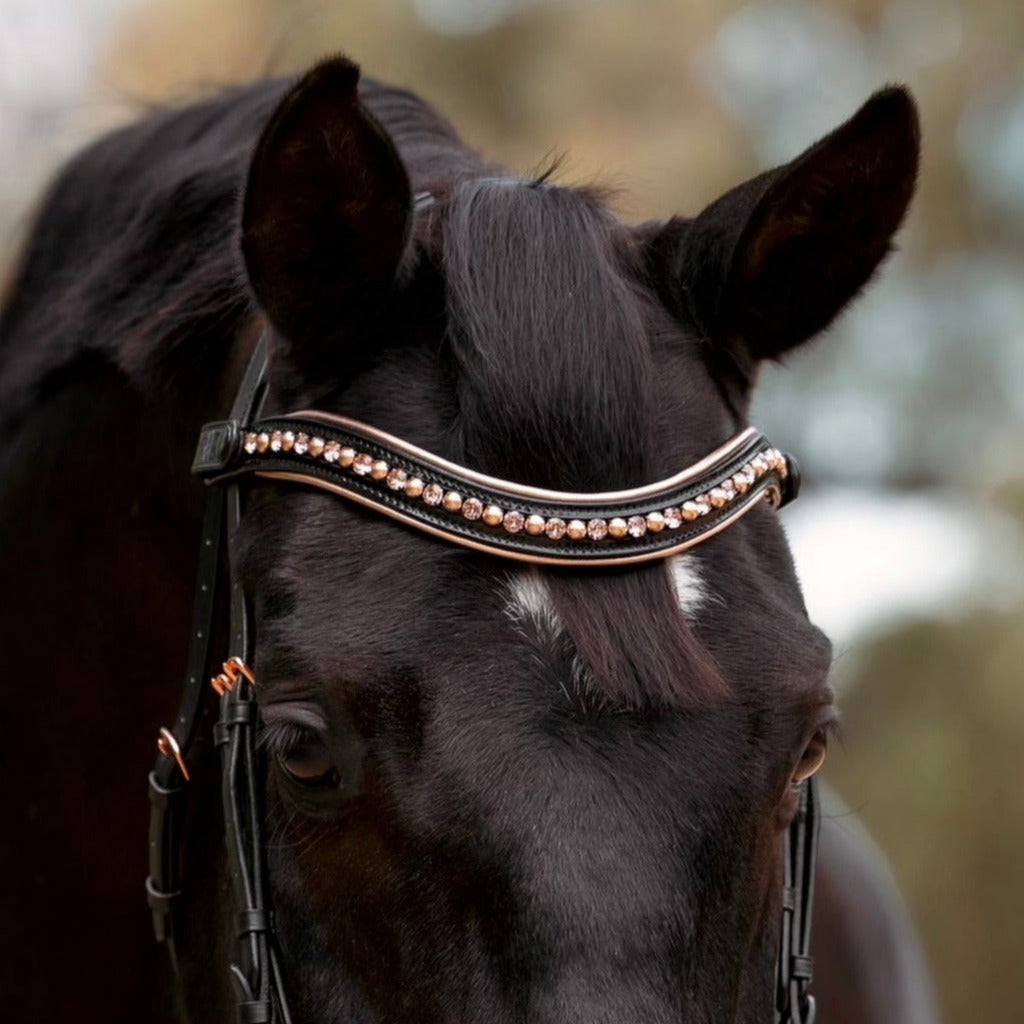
x,y
759,464
597,529
636,526
301,444
703,504
513,521
472,508
718,497
576,529
433,494
316,446
673,518
655,522
739,481
262,442
288,440
276,440
555,528
414,487
362,464
493,515
617,527
397,478
346,457
379,469
452,501
332,451
690,511
251,442
535,525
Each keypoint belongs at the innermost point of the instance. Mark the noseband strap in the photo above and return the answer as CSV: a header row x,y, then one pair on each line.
x,y
462,506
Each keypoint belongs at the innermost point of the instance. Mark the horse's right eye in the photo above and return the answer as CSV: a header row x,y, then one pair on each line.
x,y
309,764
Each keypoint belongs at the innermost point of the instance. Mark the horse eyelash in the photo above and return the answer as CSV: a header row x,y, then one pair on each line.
x,y
281,738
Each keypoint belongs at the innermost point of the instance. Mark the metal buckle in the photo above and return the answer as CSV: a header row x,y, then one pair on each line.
x,y
231,671
168,746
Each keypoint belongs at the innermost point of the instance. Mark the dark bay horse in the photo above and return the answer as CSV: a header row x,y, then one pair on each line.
x,y
492,793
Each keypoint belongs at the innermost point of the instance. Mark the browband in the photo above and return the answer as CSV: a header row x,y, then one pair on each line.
x,y
499,517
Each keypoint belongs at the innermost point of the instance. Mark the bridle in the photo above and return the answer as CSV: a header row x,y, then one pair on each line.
x,y
461,506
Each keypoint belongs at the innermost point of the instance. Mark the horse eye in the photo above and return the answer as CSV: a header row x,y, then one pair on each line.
x,y
309,764
812,758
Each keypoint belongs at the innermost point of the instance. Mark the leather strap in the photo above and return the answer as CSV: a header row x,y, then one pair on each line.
x,y
793,1003
501,517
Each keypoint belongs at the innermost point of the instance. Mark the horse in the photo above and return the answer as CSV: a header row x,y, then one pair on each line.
x,y
503,789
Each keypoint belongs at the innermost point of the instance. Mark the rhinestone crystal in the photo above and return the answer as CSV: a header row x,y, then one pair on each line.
x,y
250,442
332,451
617,527
472,508
740,482
555,528
535,525
301,444
452,501
514,521
673,518
493,515
597,529
362,464
636,526
397,478
433,494
690,511
576,529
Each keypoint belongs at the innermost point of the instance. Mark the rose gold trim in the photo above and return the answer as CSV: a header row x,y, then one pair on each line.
x,y
168,746
753,496
411,451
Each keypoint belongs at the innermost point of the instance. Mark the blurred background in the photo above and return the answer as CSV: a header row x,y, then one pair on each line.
x,y
908,417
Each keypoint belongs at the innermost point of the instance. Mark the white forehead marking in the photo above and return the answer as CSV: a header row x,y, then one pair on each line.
x,y
686,581
529,599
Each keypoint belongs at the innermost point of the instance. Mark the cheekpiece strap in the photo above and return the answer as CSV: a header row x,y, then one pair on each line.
x,y
499,517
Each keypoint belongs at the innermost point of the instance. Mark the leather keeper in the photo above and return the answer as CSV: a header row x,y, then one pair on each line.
x,y
255,1012
249,921
217,447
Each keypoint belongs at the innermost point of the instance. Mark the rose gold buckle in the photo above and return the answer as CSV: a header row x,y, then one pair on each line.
x,y
232,670
168,746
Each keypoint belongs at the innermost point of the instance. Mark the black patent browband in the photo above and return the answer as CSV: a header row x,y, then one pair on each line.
x,y
499,517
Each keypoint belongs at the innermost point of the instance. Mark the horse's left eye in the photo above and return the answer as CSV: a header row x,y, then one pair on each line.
x,y
812,758
309,764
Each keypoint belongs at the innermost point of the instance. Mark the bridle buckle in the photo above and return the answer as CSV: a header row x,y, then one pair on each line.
x,y
231,671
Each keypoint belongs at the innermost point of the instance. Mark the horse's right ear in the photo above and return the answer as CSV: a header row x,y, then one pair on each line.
x,y
325,217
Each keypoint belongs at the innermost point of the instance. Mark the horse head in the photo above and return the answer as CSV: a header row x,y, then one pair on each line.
x,y
507,792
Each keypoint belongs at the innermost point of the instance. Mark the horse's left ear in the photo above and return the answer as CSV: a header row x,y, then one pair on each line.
x,y
772,262
326,215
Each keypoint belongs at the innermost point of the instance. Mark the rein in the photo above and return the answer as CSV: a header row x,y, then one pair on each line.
x,y
461,506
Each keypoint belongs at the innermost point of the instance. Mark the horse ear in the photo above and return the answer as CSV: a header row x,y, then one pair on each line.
x,y
325,218
772,262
